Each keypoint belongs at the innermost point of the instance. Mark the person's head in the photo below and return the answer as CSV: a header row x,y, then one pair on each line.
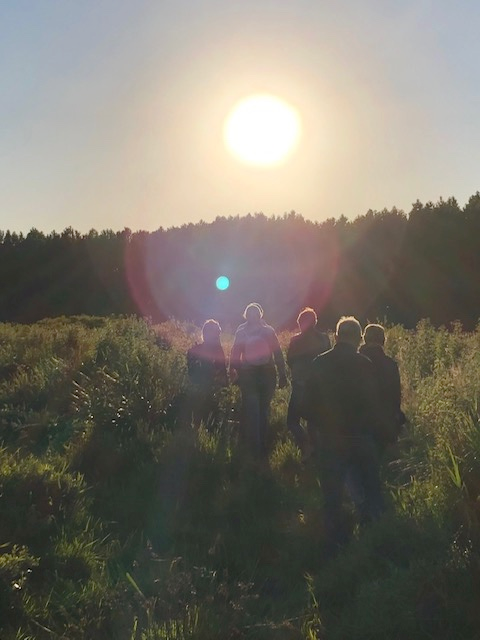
x,y
349,330
211,331
307,318
253,312
374,334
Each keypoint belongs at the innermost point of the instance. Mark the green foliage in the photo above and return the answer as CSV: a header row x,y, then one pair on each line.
x,y
119,522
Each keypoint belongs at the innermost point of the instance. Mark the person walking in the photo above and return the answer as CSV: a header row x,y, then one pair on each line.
x,y
255,359
302,349
207,374
342,405
388,380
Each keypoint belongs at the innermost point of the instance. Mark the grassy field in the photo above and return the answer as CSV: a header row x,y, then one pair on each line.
x,y
116,524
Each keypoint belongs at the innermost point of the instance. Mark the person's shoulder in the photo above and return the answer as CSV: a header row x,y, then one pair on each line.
x,y
371,350
389,358
241,328
295,338
324,358
364,362
322,366
362,357
268,329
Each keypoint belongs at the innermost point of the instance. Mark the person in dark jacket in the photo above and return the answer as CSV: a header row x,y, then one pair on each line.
x,y
255,358
207,374
388,379
303,348
343,409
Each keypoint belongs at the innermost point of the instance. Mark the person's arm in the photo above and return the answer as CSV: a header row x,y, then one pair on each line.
x,y
396,386
279,360
221,377
396,391
236,357
290,353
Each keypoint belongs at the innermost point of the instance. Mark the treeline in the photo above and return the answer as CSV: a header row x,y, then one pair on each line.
x,y
387,265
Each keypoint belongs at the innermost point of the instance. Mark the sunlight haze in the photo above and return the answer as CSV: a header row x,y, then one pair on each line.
x,y
112,114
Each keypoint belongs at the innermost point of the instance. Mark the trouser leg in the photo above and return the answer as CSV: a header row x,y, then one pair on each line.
x,y
332,473
365,472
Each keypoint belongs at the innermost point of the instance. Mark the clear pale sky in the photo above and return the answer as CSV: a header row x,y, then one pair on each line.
x,y
111,112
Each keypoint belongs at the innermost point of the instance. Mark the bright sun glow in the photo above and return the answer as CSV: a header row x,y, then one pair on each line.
x,y
262,130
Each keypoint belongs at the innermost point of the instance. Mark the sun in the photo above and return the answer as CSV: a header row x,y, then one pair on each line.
x,y
262,130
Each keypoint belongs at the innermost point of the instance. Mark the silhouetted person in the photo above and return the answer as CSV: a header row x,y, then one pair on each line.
x,y
388,379
207,374
303,348
343,410
255,356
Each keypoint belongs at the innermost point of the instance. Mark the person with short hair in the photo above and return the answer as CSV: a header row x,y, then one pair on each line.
x,y
255,359
343,409
388,379
207,373
302,349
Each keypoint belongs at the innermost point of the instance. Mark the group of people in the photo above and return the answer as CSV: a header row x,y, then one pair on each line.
x,y
344,407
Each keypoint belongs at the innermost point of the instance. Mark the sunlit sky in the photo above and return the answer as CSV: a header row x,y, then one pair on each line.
x,y
111,112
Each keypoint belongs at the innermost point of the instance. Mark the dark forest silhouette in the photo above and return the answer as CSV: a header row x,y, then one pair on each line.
x,y
386,265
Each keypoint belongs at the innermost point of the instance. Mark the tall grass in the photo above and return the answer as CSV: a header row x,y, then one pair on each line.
x,y
119,522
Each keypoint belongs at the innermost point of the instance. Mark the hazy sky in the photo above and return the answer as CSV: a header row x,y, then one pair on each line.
x,y
111,112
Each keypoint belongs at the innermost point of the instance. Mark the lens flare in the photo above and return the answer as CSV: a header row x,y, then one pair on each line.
x,y
222,283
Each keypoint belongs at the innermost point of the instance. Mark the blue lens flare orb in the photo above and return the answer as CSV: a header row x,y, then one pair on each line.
x,y
222,283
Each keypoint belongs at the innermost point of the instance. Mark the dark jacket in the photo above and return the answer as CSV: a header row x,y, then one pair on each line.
x,y
303,348
388,379
206,365
342,400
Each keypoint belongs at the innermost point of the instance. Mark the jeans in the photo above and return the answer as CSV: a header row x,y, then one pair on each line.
x,y
257,385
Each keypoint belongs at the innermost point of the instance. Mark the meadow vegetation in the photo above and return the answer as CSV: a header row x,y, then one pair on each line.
x,y
118,524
